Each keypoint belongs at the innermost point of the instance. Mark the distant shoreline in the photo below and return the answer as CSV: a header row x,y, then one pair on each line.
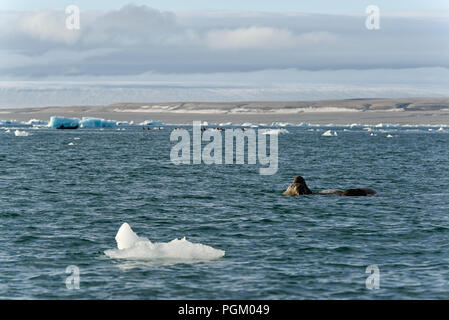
x,y
432,111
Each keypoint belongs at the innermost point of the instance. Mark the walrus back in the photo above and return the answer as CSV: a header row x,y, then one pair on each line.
x,y
359,192
331,191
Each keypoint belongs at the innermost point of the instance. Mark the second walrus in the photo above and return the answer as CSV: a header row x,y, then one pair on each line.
x,y
299,187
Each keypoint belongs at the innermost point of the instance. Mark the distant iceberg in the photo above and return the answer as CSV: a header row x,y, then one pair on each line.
x,y
10,123
19,133
157,123
58,122
124,123
329,133
88,122
281,124
36,122
275,131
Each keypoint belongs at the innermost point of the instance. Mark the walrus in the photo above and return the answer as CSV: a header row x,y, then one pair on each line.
x,y
299,187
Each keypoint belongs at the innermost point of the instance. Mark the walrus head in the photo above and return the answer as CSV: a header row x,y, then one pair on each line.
x,y
298,187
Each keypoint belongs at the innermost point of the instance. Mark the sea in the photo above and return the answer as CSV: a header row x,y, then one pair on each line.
x,y
210,231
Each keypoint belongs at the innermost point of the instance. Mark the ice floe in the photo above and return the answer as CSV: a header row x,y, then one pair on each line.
x,y
154,123
330,133
275,131
19,133
131,246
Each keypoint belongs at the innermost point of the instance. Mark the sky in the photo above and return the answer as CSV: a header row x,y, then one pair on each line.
x,y
320,6
156,51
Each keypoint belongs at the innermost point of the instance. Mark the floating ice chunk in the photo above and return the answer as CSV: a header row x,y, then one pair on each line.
x,y
123,123
281,124
131,246
88,122
126,237
10,123
330,133
57,122
440,129
36,122
387,125
19,133
275,131
389,136
71,144
157,123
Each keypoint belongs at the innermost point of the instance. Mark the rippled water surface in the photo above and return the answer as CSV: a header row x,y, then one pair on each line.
x,y
62,205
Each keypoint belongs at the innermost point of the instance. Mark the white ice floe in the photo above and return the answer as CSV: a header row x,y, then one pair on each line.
x,y
281,124
389,136
330,133
19,133
275,131
36,122
131,246
152,123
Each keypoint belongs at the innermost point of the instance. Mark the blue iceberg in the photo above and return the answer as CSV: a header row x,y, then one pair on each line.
x,y
58,122
10,123
88,122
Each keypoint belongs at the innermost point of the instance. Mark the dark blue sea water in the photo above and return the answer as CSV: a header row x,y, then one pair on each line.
x,y
62,205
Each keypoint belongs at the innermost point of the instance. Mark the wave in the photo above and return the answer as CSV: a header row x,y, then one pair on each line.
x,y
131,246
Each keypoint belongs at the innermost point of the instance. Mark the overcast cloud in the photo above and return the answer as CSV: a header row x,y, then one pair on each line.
x,y
139,43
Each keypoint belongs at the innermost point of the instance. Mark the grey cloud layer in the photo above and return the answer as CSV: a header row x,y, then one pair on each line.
x,y
139,39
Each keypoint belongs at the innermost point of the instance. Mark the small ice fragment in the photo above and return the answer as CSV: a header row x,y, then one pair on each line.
x,y
19,133
329,133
